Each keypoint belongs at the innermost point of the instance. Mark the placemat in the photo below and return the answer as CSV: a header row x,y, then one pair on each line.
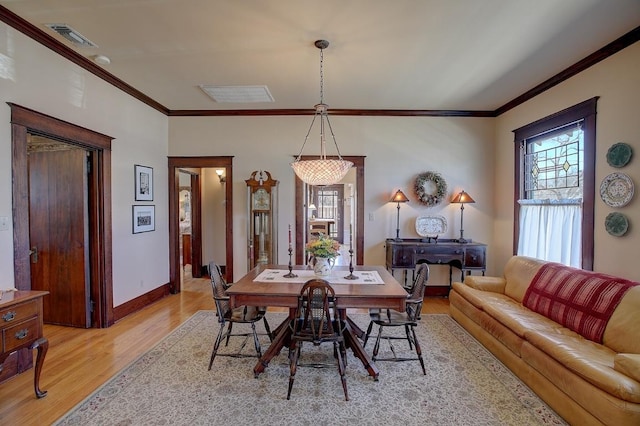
x,y
304,275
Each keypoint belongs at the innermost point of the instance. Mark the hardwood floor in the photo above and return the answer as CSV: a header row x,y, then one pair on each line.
x,y
79,361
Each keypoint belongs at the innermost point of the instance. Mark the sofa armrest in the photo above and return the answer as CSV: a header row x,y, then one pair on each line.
x,y
628,364
492,284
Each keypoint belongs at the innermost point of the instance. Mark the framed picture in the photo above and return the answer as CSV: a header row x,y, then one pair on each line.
x,y
143,183
144,219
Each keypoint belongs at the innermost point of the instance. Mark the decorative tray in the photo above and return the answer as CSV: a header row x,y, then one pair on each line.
x,y
616,189
431,226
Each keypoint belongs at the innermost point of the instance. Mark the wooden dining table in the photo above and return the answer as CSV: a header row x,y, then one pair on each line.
x,y
284,292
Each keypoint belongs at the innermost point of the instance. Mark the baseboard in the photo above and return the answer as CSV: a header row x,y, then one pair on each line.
x,y
140,302
437,291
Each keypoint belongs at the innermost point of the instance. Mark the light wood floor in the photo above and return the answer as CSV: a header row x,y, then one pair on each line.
x,y
79,361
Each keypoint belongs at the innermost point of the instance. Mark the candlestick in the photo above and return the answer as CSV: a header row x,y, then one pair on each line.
x,y
290,274
351,276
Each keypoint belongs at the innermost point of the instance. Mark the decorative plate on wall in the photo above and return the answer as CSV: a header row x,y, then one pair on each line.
x,y
616,189
431,226
616,224
619,154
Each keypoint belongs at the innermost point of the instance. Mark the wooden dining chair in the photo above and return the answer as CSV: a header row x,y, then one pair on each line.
x,y
408,319
317,321
227,316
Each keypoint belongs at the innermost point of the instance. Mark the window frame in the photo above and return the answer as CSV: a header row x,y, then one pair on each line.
x,y
583,111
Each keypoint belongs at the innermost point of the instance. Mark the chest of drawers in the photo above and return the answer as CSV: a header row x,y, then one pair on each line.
x,y
408,252
21,328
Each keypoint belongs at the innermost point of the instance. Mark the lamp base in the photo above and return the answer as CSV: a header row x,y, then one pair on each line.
x,y
464,241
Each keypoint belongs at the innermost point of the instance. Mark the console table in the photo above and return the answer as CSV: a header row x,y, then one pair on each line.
x,y
406,253
21,328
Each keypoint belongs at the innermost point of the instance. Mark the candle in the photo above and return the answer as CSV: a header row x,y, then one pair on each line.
x,y
289,236
350,236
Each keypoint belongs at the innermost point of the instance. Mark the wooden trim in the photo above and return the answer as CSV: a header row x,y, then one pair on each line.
x,y
174,164
196,226
141,301
336,112
358,163
45,39
609,50
586,111
25,121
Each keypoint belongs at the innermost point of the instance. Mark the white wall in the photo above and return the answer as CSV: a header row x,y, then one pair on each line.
x,y
213,218
35,77
616,81
396,149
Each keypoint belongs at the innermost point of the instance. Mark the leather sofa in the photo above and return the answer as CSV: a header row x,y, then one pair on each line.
x,y
585,381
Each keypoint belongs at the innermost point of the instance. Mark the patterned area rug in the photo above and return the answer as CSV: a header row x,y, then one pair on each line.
x,y
170,384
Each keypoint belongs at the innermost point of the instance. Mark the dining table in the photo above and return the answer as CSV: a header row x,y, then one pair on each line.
x,y
360,287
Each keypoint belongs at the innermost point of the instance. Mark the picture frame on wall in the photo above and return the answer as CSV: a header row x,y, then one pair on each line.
x,y
143,183
144,219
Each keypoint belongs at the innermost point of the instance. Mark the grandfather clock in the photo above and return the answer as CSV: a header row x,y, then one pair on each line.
x,y
262,223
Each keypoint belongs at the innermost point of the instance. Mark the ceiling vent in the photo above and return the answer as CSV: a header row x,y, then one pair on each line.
x,y
238,94
72,35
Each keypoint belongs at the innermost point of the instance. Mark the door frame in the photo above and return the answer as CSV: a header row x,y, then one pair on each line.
x,y
25,121
175,164
358,163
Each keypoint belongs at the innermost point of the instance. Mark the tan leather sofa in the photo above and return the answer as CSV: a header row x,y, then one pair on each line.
x,y
583,381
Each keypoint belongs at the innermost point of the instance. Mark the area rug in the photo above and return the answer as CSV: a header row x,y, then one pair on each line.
x,y
170,385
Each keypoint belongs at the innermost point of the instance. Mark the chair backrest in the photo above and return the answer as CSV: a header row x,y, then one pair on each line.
x,y
416,295
219,287
316,304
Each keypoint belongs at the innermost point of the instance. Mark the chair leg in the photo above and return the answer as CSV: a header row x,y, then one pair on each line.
x,y
341,369
376,347
366,336
418,350
229,334
216,345
294,354
256,342
406,330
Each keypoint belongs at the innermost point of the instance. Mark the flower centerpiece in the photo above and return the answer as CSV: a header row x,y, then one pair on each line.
x,y
324,251
323,247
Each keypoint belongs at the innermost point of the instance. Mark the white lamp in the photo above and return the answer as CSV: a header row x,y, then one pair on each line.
x,y
321,171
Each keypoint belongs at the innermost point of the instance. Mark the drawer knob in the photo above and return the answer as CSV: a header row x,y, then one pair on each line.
x,y
22,334
9,316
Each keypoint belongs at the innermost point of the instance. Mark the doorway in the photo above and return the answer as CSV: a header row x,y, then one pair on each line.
x,y
96,227
354,203
218,233
59,229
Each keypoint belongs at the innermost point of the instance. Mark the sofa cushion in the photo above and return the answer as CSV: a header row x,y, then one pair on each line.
x,y
621,333
591,361
628,364
477,298
518,272
582,301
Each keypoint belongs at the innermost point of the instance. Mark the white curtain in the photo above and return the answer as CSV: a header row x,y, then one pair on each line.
x,y
551,231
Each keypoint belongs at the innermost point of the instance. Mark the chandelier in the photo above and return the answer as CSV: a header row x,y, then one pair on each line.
x,y
323,170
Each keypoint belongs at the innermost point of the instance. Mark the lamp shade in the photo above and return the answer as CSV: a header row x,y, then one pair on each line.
x,y
399,197
462,198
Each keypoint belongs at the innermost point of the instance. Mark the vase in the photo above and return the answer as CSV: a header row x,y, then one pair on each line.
x,y
323,266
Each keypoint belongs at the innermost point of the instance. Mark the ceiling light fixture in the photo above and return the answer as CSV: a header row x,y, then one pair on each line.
x,y
322,171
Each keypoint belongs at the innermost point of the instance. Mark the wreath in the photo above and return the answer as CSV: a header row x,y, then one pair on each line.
x,y
431,188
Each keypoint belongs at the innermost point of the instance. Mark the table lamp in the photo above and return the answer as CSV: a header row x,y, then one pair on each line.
x,y
399,197
462,198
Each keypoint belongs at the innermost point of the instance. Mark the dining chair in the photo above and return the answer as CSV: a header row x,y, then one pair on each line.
x,y
317,321
227,316
408,319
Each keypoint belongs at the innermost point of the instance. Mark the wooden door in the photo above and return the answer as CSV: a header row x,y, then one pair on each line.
x,y
58,233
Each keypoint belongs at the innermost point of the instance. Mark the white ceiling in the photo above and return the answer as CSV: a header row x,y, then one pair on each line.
x,y
384,54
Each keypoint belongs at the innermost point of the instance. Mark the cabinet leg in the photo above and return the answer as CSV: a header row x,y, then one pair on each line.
x,y
42,345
